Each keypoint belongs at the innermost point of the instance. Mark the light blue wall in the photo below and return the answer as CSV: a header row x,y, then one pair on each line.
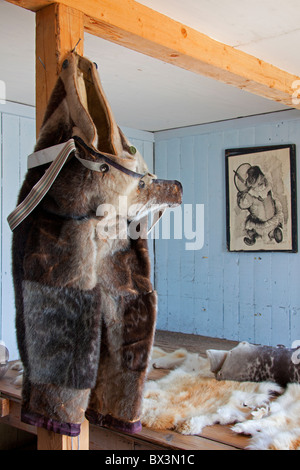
x,y
239,296
17,131
144,142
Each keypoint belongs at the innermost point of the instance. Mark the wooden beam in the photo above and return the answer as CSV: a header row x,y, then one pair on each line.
x,y
137,27
58,29
32,5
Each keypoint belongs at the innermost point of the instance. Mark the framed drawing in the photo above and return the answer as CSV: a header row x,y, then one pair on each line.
x,y
261,199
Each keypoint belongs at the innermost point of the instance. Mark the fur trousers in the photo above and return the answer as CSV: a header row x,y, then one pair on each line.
x,y
85,353
85,306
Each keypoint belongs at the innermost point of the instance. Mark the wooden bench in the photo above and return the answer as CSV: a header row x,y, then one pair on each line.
x,y
215,437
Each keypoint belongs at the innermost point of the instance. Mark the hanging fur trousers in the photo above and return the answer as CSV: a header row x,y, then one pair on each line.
x,y
85,306
85,353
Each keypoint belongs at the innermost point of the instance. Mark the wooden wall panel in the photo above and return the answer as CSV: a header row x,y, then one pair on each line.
x,y
231,269
10,168
144,142
1,152
161,248
18,138
239,296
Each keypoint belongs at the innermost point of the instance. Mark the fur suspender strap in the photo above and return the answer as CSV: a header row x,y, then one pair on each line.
x,y
43,185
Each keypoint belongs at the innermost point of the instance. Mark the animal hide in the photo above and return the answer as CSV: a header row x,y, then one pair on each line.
x,y
190,398
85,306
256,363
277,426
4,357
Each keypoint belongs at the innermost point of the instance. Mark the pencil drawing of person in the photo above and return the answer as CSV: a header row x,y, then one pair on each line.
x,y
265,219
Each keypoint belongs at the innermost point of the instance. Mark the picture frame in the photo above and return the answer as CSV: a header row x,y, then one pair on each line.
x,y
261,199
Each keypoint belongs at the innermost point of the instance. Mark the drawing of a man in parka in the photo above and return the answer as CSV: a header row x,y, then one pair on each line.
x,y
265,219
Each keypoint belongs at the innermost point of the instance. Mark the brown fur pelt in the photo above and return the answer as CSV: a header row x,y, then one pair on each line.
x,y
85,306
190,398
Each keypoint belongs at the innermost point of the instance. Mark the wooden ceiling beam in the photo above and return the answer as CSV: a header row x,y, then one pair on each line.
x,y
144,30
58,29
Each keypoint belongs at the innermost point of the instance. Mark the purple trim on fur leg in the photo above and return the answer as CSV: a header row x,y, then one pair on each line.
x,y
109,421
35,419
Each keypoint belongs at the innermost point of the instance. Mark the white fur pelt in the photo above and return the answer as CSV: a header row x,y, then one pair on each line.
x,y
18,380
189,398
278,426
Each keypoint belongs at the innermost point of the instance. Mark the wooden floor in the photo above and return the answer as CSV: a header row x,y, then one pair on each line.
x,y
212,437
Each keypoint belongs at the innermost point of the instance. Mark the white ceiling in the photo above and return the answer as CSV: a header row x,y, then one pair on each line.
x,y
151,95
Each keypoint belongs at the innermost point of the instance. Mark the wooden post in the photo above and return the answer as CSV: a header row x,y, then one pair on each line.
x,y
4,407
58,30
48,440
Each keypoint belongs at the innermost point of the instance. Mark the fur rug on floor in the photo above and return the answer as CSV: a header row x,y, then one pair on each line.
x,y
190,398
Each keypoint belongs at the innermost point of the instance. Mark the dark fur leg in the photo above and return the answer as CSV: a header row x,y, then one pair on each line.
x,y
62,336
126,346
